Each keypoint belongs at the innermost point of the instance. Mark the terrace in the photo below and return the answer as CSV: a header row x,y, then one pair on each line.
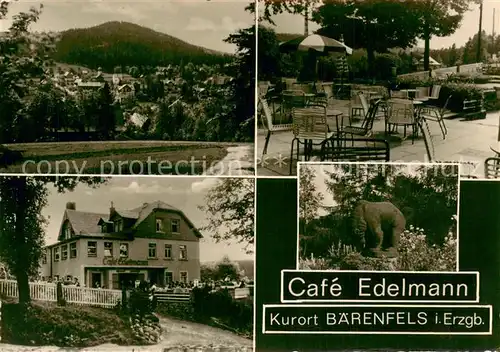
x,y
467,141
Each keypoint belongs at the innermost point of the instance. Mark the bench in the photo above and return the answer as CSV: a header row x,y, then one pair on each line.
x,y
473,109
364,149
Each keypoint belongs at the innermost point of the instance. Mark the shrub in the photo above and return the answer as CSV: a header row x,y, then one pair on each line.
x,y
140,302
71,326
415,254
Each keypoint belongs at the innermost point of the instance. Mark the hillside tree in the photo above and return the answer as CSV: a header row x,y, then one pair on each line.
x,y
439,18
22,225
230,207
309,198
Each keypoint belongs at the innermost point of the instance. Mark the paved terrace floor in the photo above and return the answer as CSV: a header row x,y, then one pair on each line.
x,y
466,141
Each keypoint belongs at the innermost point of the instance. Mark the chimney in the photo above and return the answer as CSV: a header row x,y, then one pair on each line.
x,y
71,205
112,208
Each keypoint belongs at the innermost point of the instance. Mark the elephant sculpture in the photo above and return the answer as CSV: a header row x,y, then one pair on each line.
x,y
379,226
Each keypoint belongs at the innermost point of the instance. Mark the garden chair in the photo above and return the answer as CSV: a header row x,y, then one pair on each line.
x,y
356,105
492,168
365,149
310,125
436,114
263,88
401,112
365,130
423,126
291,99
267,122
422,93
436,89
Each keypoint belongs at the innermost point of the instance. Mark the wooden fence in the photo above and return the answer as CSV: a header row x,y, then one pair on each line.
x,y
72,294
95,296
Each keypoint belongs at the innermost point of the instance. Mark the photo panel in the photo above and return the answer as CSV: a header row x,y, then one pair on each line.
x,y
332,74
378,216
319,302
126,262
120,87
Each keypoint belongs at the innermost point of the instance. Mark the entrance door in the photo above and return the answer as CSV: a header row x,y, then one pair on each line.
x,y
95,280
127,280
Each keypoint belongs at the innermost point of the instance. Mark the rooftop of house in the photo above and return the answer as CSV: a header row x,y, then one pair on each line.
x,y
89,224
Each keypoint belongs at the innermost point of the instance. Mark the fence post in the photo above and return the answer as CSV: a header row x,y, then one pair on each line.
x,y
59,294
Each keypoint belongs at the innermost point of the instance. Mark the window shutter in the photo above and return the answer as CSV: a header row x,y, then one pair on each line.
x,y
115,282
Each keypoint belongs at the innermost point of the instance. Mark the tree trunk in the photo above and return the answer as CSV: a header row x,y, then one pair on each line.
x,y
21,270
23,285
371,61
427,48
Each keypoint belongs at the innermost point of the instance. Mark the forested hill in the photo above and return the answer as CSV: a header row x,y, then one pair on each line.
x,y
114,44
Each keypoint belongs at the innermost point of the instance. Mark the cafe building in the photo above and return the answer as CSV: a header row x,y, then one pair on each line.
x,y
155,242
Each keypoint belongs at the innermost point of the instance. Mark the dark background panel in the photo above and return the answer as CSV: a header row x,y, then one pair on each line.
x,y
276,243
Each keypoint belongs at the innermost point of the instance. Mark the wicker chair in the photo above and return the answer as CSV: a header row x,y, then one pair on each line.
x,y
267,122
310,125
401,112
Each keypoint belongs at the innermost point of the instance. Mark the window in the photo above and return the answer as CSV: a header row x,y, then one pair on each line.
x,y
123,250
152,250
183,277
159,225
56,254
183,255
44,256
168,251
72,250
108,249
176,226
64,251
67,231
118,225
104,228
92,248
169,277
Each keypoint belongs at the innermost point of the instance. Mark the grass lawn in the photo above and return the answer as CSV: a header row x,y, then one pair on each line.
x,y
118,157
72,325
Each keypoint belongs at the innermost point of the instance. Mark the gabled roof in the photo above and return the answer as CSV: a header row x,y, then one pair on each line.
x,y
147,208
84,223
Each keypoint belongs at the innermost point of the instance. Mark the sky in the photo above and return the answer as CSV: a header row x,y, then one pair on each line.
x,y
287,23
321,173
185,193
198,22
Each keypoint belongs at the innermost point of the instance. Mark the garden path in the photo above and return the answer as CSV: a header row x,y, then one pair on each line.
x,y
178,335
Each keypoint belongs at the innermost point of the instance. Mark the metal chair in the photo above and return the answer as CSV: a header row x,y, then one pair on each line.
x,y
310,125
365,130
492,168
401,112
267,122
431,151
366,149
436,114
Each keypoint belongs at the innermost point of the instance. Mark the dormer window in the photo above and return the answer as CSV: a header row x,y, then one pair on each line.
x,y
176,226
68,233
159,225
104,228
118,225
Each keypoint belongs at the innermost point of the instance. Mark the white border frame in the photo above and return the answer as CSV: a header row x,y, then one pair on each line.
x,y
300,163
282,299
264,331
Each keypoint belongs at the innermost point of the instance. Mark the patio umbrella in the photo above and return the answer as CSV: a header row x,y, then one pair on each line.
x,y
317,43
